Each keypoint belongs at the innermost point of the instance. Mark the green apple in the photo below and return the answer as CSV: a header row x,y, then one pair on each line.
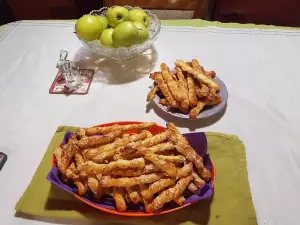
x,y
88,27
106,38
143,31
125,34
137,15
104,21
117,15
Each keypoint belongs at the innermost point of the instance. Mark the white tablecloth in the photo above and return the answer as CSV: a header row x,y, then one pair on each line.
x,y
259,67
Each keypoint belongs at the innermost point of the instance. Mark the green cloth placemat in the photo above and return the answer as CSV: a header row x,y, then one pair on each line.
x,y
231,203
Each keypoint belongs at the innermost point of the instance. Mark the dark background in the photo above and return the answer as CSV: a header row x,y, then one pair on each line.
x,y
275,12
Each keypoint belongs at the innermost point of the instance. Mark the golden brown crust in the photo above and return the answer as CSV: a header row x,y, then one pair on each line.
x,y
93,184
107,181
180,200
134,195
173,86
94,168
211,74
197,74
196,110
64,155
94,141
165,90
202,91
184,148
118,195
192,92
170,194
152,92
158,186
168,168
109,129
185,171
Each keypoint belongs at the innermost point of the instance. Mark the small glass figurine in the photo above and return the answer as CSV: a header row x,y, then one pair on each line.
x,y
69,72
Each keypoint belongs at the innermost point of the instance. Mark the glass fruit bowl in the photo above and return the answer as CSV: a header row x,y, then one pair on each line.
x,y
124,52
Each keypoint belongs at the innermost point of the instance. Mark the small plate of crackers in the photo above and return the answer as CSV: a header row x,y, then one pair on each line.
x,y
134,168
188,91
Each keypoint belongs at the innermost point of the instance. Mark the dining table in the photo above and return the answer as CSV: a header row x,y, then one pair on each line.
x,y
258,64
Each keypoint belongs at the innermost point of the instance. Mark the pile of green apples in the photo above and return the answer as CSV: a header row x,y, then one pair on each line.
x,y
119,28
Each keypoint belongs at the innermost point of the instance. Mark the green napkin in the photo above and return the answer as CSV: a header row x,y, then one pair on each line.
x,y
231,203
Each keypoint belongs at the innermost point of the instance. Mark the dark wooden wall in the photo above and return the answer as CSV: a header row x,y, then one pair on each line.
x,y
275,12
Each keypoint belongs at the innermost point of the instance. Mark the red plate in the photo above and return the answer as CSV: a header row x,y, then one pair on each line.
x,y
154,130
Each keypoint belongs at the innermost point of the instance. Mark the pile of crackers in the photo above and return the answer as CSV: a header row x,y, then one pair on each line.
x,y
188,89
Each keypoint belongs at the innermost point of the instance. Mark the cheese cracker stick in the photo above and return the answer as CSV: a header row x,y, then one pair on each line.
x,y
180,200
181,79
134,195
197,180
170,194
93,141
93,184
173,85
156,139
185,149
106,151
94,168
202,91
166,167
165,90
211,74
158,186
196,65
196,110
118,195
108,129
192,92
192,188
152,93
107,181
197,74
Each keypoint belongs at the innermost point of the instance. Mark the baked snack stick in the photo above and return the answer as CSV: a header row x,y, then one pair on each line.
x,y
196,110
199,75
107,181
166,146
201,90
192,91
118,195
211,74
105,130
170,194
192,188
168,168
158,186
94,168
197,180
184,86
64,156
197,66
173,86
152,92
151,141
93,152
93,141
165,90
180,200
185,171
185,149
93,184
134,195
